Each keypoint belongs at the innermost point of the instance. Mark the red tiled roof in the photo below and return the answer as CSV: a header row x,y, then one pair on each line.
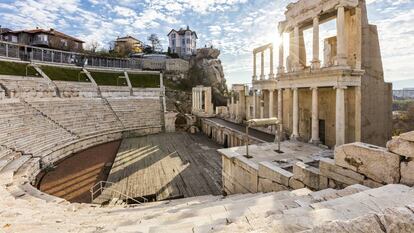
x,y
50,32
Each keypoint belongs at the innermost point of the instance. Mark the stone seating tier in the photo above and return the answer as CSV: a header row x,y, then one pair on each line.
x,y
137,112
83,117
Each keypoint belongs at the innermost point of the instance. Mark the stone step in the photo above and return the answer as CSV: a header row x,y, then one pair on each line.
x,y
224,212
7,172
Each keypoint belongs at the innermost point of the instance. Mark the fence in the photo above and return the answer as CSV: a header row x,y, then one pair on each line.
x,y
37,54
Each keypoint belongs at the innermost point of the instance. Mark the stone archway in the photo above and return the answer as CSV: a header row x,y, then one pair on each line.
x,y
181,123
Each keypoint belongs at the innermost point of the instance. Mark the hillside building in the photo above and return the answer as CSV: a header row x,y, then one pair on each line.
x,y
47,38
183,42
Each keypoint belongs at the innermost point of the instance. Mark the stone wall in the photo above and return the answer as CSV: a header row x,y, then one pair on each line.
x,y
355,163
224,135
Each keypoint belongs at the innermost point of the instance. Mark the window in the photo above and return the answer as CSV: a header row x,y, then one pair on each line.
x,y
41,37
64,42
173,35
14,39
173,43
183,41
188,41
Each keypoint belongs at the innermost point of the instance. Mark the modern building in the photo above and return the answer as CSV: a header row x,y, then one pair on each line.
x,y
339,100
183,42
47,38
128,45
405,93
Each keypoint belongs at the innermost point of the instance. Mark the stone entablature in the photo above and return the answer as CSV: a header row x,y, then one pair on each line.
x,y
303,12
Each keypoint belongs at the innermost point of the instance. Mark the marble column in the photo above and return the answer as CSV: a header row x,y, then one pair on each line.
x,y
341,40
271,74
193,101
280,108
254,104
295,118
316,63
261,108
296,49
281,67
280,104
340,115
242,102
200,95
271,103
262,76
315,117
254,67
232,105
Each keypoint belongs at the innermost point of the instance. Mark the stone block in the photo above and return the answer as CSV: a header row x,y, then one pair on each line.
x,y
402,145
266,185
329,169
407,172
295,184
374,162
272,172
371,183
323,182
307,174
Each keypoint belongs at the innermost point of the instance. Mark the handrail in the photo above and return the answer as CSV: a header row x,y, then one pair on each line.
x,y
102,188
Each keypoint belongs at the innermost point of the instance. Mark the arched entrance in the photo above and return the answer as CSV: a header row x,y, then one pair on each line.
x,y
181,123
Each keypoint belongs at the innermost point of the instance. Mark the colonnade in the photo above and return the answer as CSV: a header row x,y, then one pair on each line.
x,y
297,35
201,100
339,111
262,50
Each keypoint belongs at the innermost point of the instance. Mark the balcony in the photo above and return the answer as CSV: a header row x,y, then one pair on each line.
x,y
40,43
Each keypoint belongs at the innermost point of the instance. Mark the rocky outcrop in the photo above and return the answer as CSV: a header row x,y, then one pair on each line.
x,y
206,69
178,101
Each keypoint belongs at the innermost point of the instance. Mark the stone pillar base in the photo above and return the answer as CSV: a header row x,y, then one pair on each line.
x,y
316,64
315,141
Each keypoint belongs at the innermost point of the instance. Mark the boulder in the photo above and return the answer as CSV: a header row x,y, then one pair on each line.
x,y
403,145
374,162
407,172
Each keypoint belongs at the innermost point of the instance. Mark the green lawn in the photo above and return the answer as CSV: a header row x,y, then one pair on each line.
x,y
15,68
144,80
64,74
75,75
108,79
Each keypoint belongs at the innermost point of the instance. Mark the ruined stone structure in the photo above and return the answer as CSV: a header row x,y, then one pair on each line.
x,y
202,105
343,100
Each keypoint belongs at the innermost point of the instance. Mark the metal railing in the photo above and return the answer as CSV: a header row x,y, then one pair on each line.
x,y
38,54
101,186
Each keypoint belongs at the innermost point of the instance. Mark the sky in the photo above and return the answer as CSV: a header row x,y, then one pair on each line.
x,y
236,27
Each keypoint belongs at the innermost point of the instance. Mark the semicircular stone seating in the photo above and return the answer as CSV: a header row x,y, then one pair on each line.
x,y
36,132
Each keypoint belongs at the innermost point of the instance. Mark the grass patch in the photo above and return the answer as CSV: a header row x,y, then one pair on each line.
x,y
144,80
17,69
108,79
64,74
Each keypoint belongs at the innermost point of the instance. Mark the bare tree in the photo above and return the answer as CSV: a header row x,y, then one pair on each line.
x,y
155,42
92,46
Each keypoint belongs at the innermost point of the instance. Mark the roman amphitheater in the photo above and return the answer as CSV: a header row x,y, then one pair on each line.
x,y
305,149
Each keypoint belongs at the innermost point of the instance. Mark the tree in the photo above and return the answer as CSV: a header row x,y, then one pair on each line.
x,y
92,46
155,42
410,111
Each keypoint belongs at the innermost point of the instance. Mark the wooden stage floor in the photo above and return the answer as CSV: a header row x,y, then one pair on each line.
x,y
167,166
